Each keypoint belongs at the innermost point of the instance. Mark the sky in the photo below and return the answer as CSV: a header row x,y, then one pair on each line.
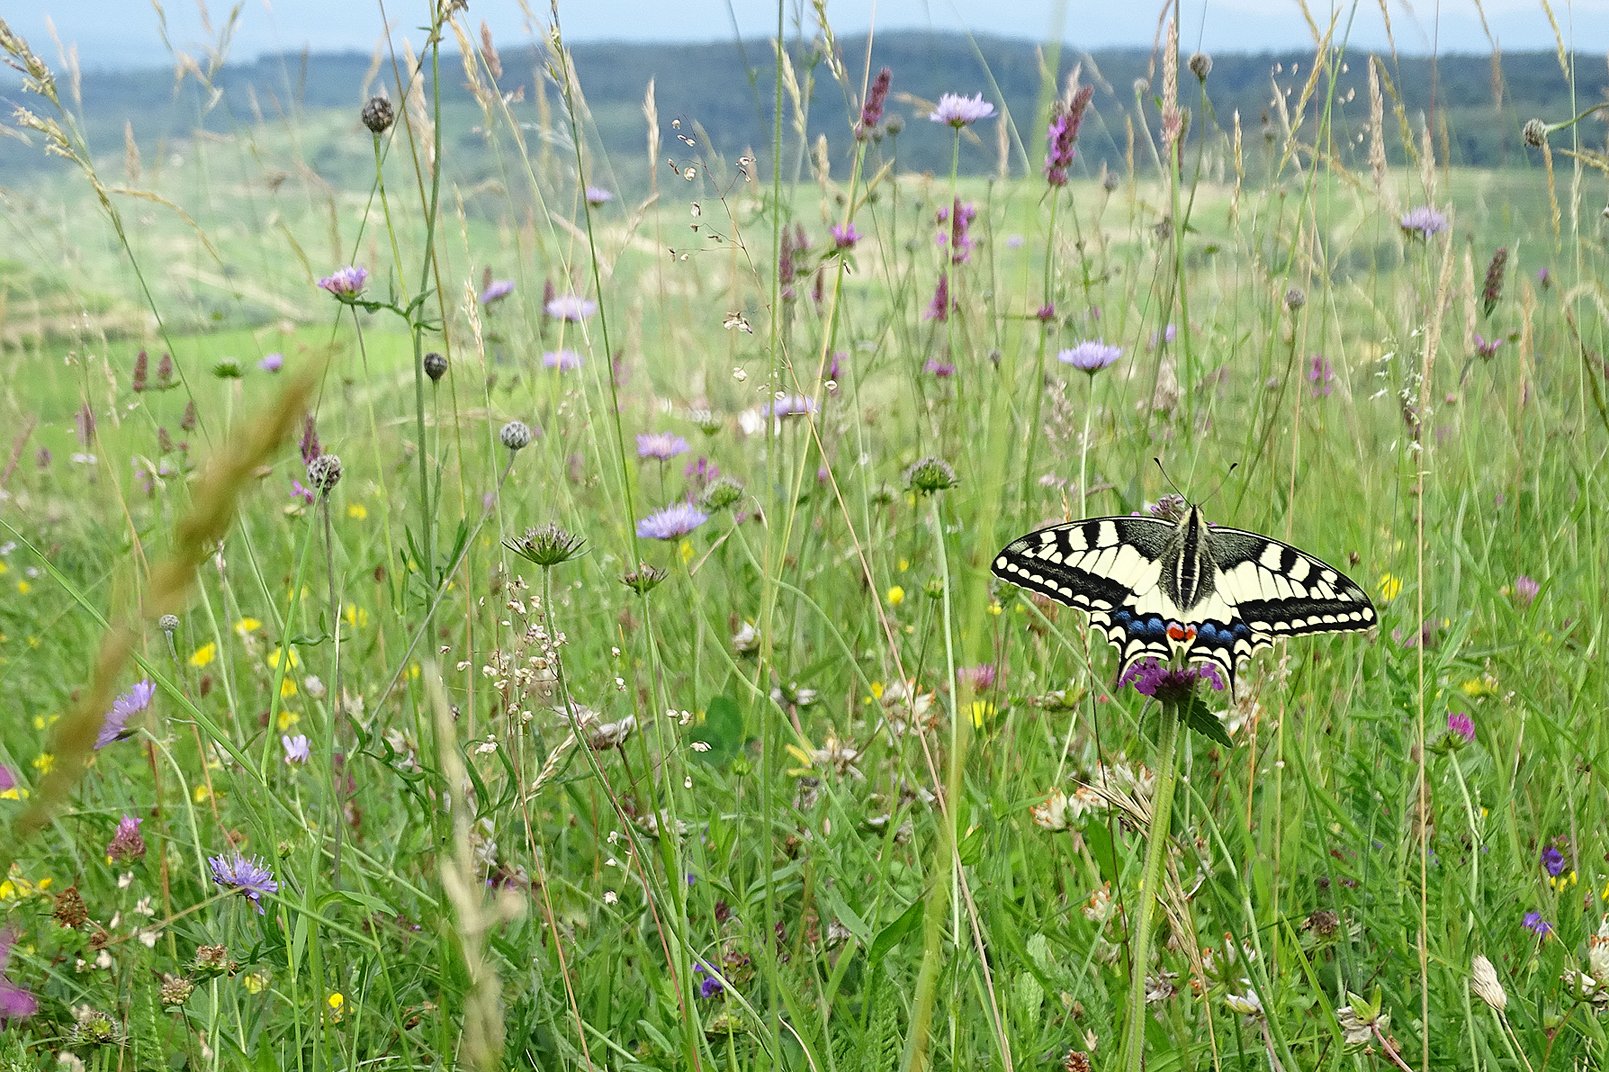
x,y
111,34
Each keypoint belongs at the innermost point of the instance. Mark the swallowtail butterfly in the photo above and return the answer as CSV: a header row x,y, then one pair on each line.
x,y
1158,588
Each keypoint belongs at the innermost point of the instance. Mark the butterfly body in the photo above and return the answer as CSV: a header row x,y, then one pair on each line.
x,y
1159,589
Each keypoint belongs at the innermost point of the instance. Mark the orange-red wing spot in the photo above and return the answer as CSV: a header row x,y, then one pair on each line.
x,y
1181,633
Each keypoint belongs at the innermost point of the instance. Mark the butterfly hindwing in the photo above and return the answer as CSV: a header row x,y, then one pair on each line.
x,y
1155,588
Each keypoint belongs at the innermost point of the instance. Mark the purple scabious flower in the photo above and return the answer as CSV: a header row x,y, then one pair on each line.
x,y
562,360
941,369
126,843
844,236
570,307
677,519
1525,590
661,446
347,282
15,1002
272,363
789,406
871,113
1091,356
250,876
1534,923
958,111
1552,861
939,308
298,749
597,195
1151,678
125,707
1462,725
712,984
1486,348
496,290
1422,222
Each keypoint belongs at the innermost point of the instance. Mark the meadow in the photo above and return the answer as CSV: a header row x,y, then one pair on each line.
x,y
546,621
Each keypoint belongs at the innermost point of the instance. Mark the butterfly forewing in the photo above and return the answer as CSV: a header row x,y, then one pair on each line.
x,y
1155,587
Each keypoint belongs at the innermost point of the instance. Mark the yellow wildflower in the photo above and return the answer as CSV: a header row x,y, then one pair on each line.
x,y
685,550
356,616
287,688
1390,587
247,625
896,596
357,511
203,655
44,761
201,793
982,711
1479,686
288,718
274,656
24,587
255,983
877,690
337,1005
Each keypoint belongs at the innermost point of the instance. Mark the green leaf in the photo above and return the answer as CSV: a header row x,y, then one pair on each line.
x,y
722,730
891,935
1200,718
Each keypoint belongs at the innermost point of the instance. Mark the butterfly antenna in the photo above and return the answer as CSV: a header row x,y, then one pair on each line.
x,y
1169,479
1221,482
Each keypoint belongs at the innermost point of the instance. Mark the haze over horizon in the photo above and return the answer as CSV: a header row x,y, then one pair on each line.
x,y
109,36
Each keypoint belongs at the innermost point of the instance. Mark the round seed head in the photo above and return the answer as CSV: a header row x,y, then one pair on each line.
x,y
1295,298
547,546
435,366
720,495
1109,182
1535,133
930,475
168,623
175,991
1200,65
377,115
324,472
893,125
516,435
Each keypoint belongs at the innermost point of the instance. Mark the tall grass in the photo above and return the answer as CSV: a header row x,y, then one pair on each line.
x,y
797,785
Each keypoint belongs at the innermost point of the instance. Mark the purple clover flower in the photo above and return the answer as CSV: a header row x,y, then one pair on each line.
x,y
250,876
1534,923
15,1002
942,369
1422,222
125,707
272,362
959,111
570,307
1091,356
562,360
126,843
1552,861
1525,590
1459,723
1487,348
661,446
1151,678
675,520
844,236
496,290
347,282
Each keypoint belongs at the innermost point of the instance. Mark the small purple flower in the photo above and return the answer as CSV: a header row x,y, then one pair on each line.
x,y
298,749
562,360
597,195
1151,678
1015,241
1168,334
347,282
1461,724
942,369
1486,348
126,843
125,707
702,471
1552,861
835,367
496,290
958,111
301,491
939,308
1090,356
1320,375
1045,313
8,782
250,876
1544,278
958,234
871,113
1534,923
15,1002
661,446
272,363
1423,222
1065,119
712,984
1525,590
789,406
570,307
844,236
677,519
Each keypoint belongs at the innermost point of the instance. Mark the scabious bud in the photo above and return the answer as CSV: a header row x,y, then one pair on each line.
x,y
643,579
435,366
930,475
139,372
547,546
721,494
1493,290
168,623
1200,65
516,435
1295,298
1535,133
378,115
324,472
872,112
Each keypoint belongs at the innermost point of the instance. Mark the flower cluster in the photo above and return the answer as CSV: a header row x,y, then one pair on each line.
x,y
347,282
957,234
959,111
1065,119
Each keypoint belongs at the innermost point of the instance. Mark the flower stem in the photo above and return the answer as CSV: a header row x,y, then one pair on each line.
x,y
1151,881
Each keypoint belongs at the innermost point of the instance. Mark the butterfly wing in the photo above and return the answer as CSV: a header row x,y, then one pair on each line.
x,y
1107,567
1280,590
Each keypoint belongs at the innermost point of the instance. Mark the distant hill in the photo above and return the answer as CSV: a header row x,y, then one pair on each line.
x,y
727,90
